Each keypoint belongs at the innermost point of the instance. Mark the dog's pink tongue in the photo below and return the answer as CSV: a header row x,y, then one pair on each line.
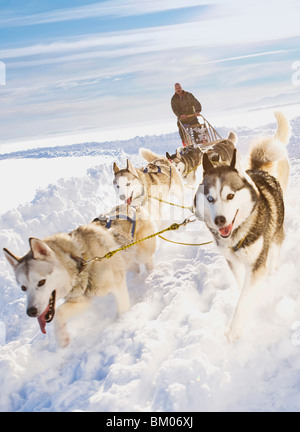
x,y
42,320
225,231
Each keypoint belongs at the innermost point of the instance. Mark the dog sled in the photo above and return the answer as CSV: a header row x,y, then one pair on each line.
x,y
202,134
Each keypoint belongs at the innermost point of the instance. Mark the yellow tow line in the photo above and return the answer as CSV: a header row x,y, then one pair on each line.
x,y
172,204
175,226
185,244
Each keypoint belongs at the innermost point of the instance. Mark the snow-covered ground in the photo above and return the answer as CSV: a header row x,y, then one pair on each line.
x,y
168,352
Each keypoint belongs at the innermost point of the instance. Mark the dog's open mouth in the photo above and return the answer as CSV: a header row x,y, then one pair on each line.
x,y
48,314
225,232
129,200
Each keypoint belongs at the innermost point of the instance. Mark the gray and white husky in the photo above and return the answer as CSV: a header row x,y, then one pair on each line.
x,y
245,213
188,159
147,186
53,269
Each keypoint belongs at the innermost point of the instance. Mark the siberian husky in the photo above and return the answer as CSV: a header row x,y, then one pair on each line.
x,y
245,213
148,186
188,159
54,269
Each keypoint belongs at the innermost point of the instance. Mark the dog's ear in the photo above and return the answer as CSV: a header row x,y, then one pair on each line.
x,y
130,168
168,156
116,168
232,137
11,258
39,249
207,165
233,160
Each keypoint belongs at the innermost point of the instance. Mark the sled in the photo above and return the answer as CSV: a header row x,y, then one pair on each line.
x,y
201,135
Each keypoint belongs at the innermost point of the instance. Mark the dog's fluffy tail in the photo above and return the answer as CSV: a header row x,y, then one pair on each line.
x,y
149,155
270,153
283,132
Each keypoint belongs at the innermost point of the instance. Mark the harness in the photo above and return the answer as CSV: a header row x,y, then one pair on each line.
x,y
149,167
124,217
109,220
152,166
146,170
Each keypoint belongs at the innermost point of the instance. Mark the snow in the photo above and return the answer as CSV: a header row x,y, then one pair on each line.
x,y
169,352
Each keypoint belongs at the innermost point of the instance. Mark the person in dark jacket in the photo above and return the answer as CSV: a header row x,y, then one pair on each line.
x,y
186,108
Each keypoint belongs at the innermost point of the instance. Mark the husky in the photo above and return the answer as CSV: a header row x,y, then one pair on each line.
x,y
148,186
188,159
55,269
245,213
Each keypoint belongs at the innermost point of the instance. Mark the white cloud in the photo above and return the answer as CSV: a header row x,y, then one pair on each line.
x,y
156,39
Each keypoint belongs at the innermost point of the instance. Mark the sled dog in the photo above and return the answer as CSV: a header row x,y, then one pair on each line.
x,y
188,159
146,186
245,213
53,269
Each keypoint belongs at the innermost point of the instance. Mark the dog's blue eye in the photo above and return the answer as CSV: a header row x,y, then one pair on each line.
x,y
210,199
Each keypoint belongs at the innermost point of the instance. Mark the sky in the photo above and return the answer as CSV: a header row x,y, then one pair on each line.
x,y
76,71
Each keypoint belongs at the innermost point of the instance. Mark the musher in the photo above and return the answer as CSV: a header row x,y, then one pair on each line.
x,y
186,108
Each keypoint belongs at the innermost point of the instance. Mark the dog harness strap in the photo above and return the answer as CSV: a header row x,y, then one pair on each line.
x,y
125,217
108,224
184,151
158,170
132,221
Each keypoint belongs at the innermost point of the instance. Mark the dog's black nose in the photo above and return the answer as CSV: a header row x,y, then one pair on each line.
x,y
32,311
220,221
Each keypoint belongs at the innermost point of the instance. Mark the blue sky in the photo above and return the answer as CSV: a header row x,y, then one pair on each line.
x,y
81,70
